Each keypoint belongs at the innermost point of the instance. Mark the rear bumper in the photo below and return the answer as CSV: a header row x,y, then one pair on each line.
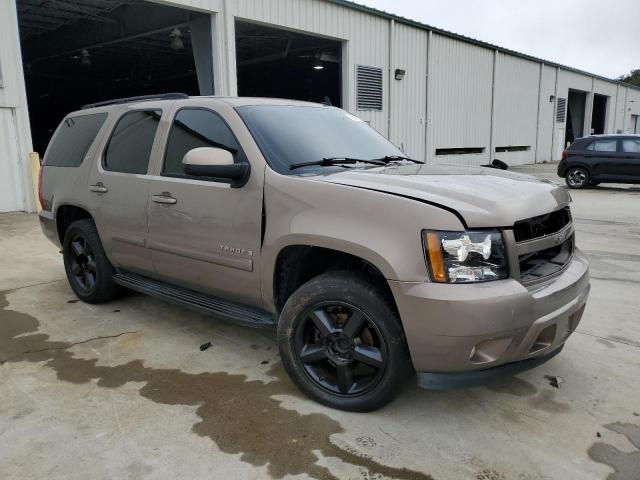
x,y
48,226
463,328
562,168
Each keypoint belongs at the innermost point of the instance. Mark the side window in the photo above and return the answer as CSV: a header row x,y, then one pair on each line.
x,y
195,128
605,145
631,146
74,137
129,147
590,146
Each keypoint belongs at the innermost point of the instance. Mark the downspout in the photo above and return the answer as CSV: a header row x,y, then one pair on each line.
x,y
554,115
493,108
624,109
427,120
536,157
392,28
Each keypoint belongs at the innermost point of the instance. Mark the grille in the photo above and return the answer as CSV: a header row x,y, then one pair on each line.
x,y
369,88
546,262
542,225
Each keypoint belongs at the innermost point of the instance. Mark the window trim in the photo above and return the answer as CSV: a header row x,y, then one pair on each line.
x,y
628,139
105,148
238,157
607,152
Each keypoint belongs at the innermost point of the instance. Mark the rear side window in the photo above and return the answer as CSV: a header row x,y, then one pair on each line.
x,y
129,147
631,146
71,143
195,128
605,145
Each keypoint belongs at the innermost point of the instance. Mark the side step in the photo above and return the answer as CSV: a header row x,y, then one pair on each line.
x,y
224,309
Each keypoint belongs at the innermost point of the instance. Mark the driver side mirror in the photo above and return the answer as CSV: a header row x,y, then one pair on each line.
x,y
215,162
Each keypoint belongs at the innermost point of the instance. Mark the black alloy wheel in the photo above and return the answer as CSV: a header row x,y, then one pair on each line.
x,y
82,262
89,272
342,343
340,349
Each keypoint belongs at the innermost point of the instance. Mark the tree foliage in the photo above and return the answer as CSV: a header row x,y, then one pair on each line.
x,y
633,77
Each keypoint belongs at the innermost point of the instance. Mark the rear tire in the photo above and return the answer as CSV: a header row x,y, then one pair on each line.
x,y
342,344
577,177
89,272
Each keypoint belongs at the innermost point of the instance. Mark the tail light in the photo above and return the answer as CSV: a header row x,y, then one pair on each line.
x,y
565,155
40,196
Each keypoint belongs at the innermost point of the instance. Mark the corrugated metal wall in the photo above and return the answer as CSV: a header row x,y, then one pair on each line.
x,y
459,103
450,94
516,108
546,113
16,192
409,96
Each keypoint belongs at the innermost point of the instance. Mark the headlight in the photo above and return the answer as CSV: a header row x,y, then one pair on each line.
x,y
465,257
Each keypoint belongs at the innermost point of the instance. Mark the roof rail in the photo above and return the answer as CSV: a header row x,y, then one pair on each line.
x,y
118,101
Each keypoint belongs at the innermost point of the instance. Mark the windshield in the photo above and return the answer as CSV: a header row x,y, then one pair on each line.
x,y
288,135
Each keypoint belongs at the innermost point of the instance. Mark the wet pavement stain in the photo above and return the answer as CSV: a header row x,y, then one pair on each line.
x,y
239,416
513,386
545,401
626,465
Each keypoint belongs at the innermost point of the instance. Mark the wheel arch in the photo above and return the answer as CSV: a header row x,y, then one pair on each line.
x,y
298,262
67,214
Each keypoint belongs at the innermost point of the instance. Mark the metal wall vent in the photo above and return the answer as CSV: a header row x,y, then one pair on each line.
x,y
368,88
561,110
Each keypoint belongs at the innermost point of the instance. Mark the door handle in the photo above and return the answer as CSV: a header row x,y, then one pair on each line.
x,y
165,199
98,188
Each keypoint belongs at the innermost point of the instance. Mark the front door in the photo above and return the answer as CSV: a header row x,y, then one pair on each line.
x,y
604,157
119,183
204,234
630,161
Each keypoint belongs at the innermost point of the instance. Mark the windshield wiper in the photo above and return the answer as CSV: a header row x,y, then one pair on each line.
x,y
327,162
396,158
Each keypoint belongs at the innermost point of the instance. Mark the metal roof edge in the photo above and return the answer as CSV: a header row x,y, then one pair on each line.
x,y
423,26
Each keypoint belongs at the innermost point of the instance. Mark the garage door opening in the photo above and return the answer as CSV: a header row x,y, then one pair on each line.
x,y
85,51
279,63
575,115
599,115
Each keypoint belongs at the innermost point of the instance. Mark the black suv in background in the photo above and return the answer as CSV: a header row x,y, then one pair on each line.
x,y
601,159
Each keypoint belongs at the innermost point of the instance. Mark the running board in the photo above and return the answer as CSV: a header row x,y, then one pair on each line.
x,y
224,309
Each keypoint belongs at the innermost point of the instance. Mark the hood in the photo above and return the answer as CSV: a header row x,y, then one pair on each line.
x,y
484,197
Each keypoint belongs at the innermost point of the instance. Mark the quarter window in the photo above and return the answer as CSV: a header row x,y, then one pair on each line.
x,y
631,146
71,143
605,145
195,128
129,148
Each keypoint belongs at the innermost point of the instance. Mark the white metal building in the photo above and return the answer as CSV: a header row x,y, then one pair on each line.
x,y
440,96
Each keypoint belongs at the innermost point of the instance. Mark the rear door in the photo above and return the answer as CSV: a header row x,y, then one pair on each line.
x,y
602,155
119,184
204,234
630,161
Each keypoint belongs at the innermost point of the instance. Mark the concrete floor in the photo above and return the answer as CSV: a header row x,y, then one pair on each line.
x,y
122,390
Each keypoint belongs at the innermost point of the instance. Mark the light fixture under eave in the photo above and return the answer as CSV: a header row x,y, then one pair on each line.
x,y
318,65
85,57
176,39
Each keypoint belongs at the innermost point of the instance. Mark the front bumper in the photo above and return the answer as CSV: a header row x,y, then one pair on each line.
x,y
462,328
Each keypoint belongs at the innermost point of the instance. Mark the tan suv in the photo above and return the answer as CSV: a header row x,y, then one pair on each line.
x,y
300,216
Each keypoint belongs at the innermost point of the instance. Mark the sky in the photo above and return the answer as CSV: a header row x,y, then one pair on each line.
x,y
601,37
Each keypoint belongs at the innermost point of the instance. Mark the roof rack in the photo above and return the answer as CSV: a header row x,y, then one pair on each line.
x,y
118,101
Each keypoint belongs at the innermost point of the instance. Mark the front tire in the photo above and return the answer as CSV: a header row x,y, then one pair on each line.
x,y
89,272
577,177
342,344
